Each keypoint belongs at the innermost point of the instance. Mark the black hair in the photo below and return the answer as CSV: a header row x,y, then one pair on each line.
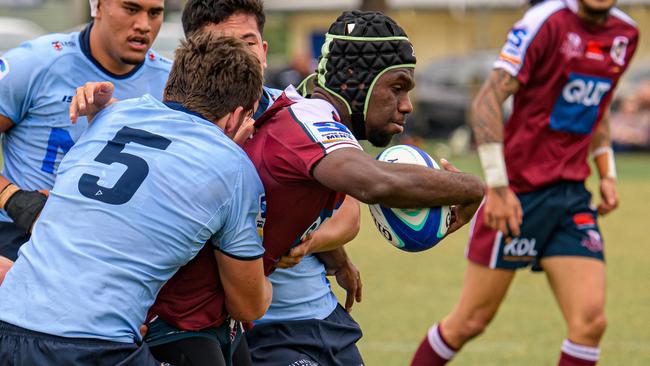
x,y
199,13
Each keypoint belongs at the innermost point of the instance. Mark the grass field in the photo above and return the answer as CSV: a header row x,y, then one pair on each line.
x,y
405,292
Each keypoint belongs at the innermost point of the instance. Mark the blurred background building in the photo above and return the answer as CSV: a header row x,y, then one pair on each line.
x,y
456,42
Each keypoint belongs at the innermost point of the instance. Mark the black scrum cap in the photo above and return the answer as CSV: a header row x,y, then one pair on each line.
x,y
360,47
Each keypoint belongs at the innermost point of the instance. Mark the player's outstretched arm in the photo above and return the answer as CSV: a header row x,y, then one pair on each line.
x,y
603,155
355,173
341,228
91,98
248,292
502,208
461,214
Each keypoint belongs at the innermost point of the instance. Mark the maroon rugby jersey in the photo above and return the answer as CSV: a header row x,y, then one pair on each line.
x,y
291,138
567,70
193,299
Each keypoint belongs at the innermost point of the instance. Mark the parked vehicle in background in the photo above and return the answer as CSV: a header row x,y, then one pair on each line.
x,y
444,91
14,31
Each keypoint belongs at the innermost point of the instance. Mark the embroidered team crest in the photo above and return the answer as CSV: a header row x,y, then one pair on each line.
x,y
572,46
4,68
593,241
619,50
57,45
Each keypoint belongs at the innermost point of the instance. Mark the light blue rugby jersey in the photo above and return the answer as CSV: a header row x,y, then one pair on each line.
x,y
36,87
123,217
301,292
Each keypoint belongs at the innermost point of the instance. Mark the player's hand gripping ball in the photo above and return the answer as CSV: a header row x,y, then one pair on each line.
x,y
411,230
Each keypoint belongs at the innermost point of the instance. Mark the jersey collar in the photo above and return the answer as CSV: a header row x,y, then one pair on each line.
x,y
263,105
84,42
179,107
572,5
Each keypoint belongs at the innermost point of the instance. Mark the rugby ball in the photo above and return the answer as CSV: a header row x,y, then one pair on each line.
x,y
411,230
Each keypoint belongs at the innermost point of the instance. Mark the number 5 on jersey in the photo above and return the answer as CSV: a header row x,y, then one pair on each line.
x,y
137,168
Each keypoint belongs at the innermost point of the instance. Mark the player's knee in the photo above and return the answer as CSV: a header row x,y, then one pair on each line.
x,y
474,326
590,326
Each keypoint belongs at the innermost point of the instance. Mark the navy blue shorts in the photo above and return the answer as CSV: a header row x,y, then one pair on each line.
x,y
331,341
558,221
163,338
11,239
22,347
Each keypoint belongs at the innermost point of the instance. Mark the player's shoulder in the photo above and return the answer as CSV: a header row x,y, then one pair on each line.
x,y
45,50
320,121
541,13
272,93
308,111
156,61
624,20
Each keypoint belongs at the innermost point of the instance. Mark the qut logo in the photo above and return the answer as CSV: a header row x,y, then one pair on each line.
x,y
586,92
520,247
577,106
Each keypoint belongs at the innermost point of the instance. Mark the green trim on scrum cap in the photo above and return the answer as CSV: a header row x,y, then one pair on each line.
x,y
322,65
302,87
368,39
374,81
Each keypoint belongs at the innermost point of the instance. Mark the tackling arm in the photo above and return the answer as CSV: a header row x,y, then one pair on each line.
x,y
5,266
248,292
341,228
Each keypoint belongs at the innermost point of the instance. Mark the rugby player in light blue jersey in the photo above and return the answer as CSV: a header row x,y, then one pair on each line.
x,y
37,82
136,198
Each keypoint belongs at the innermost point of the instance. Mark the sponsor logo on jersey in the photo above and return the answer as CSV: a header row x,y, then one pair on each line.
x,y
593,241
586,91
4,68
513,51
584,220
577,107
260,220
58,45
594,51
152,56
572,46
329,132
519,248
619,50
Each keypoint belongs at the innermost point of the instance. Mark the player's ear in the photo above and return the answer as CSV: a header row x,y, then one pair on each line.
x,y
265,47
234,119
100,7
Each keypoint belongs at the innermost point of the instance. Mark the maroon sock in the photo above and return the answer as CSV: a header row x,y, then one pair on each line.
x,y
433,350
578,355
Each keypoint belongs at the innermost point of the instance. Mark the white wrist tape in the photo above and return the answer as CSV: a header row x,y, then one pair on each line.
x,y
607,169
494,164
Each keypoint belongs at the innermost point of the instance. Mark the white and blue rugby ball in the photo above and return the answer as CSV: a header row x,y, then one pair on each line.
x,y
411,230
